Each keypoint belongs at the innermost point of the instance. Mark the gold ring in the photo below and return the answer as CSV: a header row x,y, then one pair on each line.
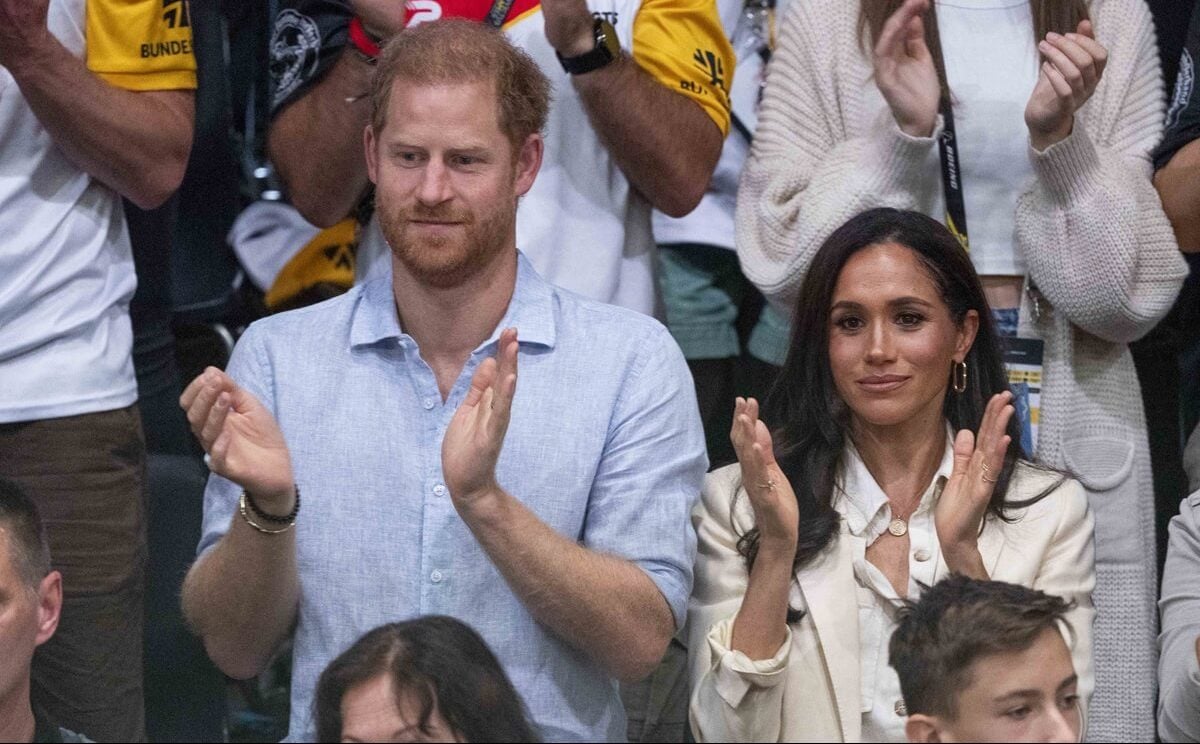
x,y
987,471
769,485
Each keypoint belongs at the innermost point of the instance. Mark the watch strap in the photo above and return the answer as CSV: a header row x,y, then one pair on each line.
x,y
601,55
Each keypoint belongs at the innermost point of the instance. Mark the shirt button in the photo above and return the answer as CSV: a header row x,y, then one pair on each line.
x,y
429,403
436,577
921,555
439,490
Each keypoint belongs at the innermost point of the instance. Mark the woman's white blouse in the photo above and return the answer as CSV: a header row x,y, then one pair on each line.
x,y
866,513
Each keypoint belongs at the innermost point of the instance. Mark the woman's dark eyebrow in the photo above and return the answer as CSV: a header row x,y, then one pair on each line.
x,y
898,302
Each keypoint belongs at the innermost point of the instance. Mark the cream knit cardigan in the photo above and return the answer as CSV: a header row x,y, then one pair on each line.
x,y
1098,248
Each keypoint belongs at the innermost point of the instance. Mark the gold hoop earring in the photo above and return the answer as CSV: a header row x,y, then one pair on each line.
x,y
959,372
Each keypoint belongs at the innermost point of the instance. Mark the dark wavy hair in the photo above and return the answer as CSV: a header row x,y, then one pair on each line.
x,y
442,662
811,422
956,622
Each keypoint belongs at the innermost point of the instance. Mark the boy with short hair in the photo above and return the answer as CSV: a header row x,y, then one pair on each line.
x,y
986,661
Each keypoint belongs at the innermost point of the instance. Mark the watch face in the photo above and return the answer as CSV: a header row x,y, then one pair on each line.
x,y
606,37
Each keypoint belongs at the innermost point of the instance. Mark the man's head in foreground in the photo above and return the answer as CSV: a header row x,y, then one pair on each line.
x,y
454,140
986,661
30,601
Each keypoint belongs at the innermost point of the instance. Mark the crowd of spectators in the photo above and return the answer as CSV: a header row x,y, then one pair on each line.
x,y
660,370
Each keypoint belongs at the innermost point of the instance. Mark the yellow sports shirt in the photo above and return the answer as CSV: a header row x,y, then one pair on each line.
x,y
141,44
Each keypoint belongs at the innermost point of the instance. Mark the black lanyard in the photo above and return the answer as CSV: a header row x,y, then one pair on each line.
x,y
952,187
949,154
498,13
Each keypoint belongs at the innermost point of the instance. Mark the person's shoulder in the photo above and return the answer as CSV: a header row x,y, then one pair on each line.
x,y
312,322
606,324
1049,492
721,487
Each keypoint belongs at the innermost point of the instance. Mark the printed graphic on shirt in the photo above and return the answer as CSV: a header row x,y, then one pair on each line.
x,y
424,11
141,44
681,44
1185,84
295,52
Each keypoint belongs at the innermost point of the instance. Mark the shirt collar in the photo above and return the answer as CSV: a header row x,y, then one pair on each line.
x,y
860,499
530,311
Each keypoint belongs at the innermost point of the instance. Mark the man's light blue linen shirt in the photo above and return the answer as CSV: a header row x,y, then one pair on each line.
x,y
605,445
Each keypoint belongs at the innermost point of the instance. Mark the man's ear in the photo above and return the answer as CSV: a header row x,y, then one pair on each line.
x,y
920,727
49,606
369,147
529,162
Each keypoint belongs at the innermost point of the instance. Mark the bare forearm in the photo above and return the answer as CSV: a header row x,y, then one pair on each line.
x,y
136,143
316,143
604,605
1178,185
664,143
761,624
241,598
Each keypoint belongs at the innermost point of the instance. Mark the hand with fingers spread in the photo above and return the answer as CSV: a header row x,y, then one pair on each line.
x,y
904,70
475,436
1069,74
243,442
776,514
978,460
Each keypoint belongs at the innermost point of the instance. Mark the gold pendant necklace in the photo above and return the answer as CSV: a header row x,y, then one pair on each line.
x,y
898,527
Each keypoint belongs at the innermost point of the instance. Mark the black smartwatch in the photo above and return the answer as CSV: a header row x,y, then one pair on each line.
x,y
608,48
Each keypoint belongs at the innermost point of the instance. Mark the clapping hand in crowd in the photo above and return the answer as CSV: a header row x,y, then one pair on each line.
x,y
978,460
475,435
904,70
776,513
23,29
242,439
1068,77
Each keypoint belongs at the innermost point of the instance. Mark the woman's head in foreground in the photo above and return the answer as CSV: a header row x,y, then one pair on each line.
x,y
429,679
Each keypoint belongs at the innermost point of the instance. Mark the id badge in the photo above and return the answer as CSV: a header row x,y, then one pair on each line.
x,y
1023,362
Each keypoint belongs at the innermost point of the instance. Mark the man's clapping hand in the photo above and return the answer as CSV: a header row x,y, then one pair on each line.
x,y
475,436
243,442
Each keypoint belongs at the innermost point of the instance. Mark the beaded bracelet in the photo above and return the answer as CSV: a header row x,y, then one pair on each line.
x,y
246,516
290,517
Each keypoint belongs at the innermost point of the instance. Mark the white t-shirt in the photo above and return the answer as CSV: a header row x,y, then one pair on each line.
x,y
711,222
992,65
582,225
66,267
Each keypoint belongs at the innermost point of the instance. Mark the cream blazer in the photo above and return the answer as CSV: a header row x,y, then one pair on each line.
x,y
811,689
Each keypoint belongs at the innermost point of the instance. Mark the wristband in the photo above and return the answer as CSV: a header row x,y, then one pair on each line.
x,y
265,530
366,45
288,519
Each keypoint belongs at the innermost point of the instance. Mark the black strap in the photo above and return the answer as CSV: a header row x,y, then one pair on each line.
x,y
948,151
498,13
952,186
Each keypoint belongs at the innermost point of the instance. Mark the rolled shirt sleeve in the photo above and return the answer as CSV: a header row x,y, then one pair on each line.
x,y
650,474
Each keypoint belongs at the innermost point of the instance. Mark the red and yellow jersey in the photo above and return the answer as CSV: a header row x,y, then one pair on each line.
x,y
140,44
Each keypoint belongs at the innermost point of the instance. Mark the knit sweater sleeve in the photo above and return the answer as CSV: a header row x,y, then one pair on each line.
x,y
1091,226
807,174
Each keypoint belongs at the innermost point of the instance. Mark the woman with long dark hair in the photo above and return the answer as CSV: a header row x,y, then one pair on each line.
x,y
428,679
1027,126
894,460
